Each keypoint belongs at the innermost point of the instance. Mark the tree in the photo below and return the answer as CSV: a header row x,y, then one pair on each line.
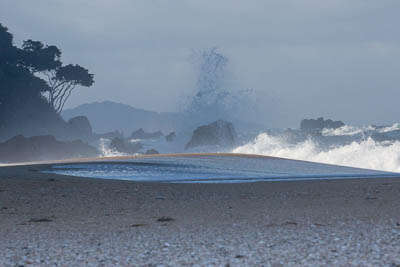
x,y
16,79
18,86
63,81
34,86
40,58
45,61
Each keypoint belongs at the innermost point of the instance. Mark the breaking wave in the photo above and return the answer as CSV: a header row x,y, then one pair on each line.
x,y
365,153
393,127
347,130
352,130
105,150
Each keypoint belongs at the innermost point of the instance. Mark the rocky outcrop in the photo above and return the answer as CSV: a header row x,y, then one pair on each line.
x,y
141,134
151,152
20,149
170,137
125,146
80,127
319,124
219,133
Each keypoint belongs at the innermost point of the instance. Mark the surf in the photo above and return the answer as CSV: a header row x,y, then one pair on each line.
x,y
349,146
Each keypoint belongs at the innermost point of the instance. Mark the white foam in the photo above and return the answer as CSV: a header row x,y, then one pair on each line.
x,y
395,126
106,151
346,130
352,130
368,153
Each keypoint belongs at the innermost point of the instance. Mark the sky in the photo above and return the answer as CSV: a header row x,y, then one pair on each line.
x,y
303,59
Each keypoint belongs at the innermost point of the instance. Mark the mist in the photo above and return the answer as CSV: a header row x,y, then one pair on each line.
x,y
207,133
334,59
250,72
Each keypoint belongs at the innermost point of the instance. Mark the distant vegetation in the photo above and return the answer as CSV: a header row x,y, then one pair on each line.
x,y
34,86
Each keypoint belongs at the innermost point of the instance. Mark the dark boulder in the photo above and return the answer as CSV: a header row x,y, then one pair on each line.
x,y
170,137
141,134
219,133
46,147
152,152
320,124
80,127
124,146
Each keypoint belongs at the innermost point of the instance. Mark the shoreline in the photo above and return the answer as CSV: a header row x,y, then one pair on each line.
x,y
108,158
111,159
48,219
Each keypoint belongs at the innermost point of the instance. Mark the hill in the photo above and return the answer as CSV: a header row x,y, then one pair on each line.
x,y
109,116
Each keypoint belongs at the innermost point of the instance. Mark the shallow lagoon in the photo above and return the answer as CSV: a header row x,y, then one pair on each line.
x,y
212,169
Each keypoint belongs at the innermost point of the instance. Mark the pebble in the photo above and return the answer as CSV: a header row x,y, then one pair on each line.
x,y
218,246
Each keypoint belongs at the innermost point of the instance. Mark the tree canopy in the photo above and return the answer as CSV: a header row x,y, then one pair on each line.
x,y
33,80
17,83
46,62
38,57
63,81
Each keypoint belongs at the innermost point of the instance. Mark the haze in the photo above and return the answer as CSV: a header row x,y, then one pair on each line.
x,y
338,59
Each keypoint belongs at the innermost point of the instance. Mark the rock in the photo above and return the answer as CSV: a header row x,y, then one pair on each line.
x,y
40,220
152,152
125,146
221,133
320,124
170,137
165,219
141,134
45,147
81,127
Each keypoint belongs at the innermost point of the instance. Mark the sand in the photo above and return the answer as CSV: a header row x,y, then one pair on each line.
x,y
48,219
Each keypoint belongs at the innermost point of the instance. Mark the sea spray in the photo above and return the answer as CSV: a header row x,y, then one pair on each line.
x,y
215,95
352,130
394,127
365,153
105,150
347,130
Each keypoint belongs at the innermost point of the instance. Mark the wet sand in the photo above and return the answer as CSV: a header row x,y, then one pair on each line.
x,y
47,219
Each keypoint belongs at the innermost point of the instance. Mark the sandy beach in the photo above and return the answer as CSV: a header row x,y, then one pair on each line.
x,y
49,219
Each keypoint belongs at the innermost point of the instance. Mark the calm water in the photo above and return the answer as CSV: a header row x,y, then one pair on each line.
x,y
212,169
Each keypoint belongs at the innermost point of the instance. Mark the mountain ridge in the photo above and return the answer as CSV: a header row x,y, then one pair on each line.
x,y
108,116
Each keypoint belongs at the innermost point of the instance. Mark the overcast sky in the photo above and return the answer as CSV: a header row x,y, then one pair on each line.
x,y
309,58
